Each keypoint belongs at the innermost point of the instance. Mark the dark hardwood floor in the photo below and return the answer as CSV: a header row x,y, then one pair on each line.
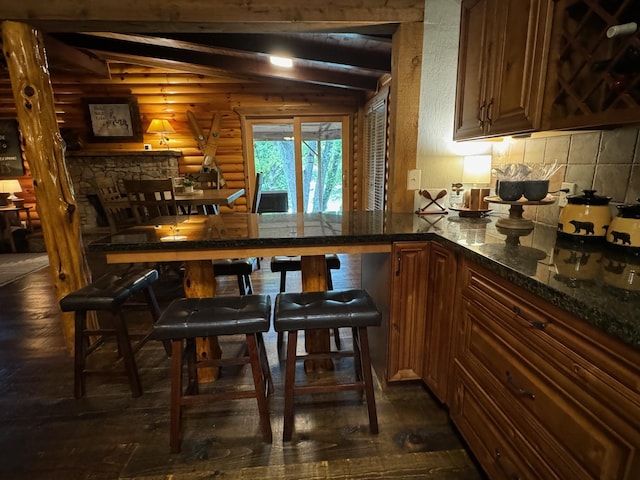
x,y
47,434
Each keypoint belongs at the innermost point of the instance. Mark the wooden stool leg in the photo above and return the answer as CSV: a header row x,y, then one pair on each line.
x,y
175,438
289,385
249,284
128,358
368,379
264,362
357,355
79,355
191,355
154,308
258,381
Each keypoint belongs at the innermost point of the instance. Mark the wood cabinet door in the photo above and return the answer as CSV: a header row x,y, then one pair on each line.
x,y
473,61
438,328
521,33
408,310
594,76
502,66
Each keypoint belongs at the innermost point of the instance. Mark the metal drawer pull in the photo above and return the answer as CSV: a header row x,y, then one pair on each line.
x,y
520,391
510,475
534,323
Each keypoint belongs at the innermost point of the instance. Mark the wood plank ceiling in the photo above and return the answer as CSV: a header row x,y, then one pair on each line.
x,y
353,61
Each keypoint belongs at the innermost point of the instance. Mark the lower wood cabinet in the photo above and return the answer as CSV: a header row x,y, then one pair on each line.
x,y
414,289
408,310
441,283
536,392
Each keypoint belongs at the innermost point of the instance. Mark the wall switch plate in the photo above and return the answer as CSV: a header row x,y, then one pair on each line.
x,y
413,179
571,187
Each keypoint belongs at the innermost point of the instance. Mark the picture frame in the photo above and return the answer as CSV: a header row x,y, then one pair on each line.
x,y
11,164
113,119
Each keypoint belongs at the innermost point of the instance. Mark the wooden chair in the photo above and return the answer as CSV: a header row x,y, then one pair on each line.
x,y
150,198
242,268
207,181
115,204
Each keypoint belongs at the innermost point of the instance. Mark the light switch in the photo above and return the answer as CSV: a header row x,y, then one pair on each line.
x,y
413,179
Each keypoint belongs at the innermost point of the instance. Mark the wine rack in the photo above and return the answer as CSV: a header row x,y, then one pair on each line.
x,y
596,66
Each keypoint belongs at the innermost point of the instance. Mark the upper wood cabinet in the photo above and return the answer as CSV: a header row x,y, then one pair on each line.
x,y
594,77
504,46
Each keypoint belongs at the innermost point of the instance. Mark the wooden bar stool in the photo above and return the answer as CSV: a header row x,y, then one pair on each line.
x,y
241,268
188,318
284,264
329,309
109,293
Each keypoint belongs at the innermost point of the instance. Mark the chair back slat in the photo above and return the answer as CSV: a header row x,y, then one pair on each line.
x,y
115,204
151,198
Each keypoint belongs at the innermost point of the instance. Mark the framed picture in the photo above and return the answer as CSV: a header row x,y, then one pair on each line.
x,y
11,165
113,119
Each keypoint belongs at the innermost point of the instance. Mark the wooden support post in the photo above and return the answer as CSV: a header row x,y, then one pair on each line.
x,y
200,282
56,204
314,279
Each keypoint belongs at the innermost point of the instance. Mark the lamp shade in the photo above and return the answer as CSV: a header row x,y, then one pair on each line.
x,y
158,125
477,169
10,186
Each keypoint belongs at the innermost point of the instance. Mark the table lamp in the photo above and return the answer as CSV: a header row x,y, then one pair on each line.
x,y
161,127
477,172
8,188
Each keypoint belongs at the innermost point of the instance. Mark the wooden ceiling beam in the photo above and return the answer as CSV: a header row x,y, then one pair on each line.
x,y
242,69
59,53
211,15
203,61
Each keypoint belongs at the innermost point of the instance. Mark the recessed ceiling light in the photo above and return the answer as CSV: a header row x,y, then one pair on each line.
x,y
281,61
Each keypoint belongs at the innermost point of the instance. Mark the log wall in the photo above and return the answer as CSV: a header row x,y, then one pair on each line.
x,y
168,94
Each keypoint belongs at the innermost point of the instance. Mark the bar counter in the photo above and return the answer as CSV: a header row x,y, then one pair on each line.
x,y
591,281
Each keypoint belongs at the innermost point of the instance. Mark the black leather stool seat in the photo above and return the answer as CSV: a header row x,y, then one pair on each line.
x,y
281,263
188,318
203,317
109,293
284,264
235,266
329,309
242,268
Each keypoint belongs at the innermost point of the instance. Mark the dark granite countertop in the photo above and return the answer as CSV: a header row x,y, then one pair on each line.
x,y
594,284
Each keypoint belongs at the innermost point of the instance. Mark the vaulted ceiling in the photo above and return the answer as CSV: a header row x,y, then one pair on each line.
x,y
354,60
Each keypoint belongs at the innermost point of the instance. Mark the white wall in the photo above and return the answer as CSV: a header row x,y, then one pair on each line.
x,y
439,157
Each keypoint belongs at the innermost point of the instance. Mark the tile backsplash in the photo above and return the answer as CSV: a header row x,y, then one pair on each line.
x,y
607,161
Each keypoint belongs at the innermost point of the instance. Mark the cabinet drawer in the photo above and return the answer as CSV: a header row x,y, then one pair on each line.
x,y
562,428
497,443
590,361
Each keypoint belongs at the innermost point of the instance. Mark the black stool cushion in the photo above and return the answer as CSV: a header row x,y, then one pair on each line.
x,y
328,309
108,292
235,266
226,315
281,263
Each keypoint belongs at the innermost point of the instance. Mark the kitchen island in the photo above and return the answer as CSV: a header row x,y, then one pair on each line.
x,y
533,344
532,263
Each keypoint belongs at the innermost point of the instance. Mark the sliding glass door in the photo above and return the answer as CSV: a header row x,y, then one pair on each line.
x,y
301,162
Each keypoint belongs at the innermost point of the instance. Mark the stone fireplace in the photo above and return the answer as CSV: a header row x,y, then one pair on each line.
x,y
86,167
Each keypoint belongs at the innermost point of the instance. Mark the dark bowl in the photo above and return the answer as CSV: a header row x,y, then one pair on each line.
x,y
510,191
535,190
